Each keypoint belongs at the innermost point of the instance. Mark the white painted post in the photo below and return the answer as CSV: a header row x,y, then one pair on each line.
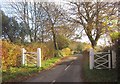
x,y
113,59
109,60
91,58
23,56
38,57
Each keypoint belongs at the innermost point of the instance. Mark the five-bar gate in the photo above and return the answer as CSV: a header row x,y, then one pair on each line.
x,y
102,60
33,58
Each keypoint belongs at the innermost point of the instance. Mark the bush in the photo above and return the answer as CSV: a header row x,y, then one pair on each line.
x,y
115,36
66,51
79,48
11,55
47,51
62,42
87,47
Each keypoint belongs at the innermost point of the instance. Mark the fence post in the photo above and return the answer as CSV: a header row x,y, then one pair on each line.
x,y
38,57
23,56
109,59
113,59
91,58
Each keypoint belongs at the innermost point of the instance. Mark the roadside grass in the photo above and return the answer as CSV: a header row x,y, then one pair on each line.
x,y
14,73
95,75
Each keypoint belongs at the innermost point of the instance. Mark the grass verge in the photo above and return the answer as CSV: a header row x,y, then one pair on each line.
x,y
96,75
27,71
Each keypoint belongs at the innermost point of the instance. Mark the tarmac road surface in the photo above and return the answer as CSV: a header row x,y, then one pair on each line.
x,y
67,71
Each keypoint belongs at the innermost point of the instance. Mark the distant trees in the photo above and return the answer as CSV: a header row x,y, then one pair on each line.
x,y
36,20
10,28
79,47
30,16
62,42
42,22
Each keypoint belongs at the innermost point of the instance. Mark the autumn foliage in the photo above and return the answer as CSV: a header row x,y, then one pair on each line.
x,y
11,53
66,52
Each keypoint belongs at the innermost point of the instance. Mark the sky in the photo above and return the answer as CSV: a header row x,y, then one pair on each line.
x,y
102,41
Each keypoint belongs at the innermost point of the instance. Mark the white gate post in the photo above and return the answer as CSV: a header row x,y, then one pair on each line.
x,y
113,59
23,56
91,58
109,59
38,57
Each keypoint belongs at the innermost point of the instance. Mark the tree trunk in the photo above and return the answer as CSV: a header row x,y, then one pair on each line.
x,y
42,36
93,42
54,38
35,36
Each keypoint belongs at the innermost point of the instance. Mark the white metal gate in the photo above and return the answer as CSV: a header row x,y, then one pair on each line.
x,y
32,58
102,60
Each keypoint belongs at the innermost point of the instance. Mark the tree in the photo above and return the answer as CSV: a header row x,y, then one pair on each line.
x,y
91,16
66,30
54,14
5,22
62,42
21,12
79,47
23,32
32,18
10,28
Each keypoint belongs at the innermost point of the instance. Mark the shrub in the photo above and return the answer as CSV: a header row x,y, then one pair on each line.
x,y
47,51
87,47
115,37
66,51
10,55
79,48
62,42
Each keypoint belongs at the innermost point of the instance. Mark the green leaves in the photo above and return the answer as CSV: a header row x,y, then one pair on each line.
x,y
62,42
115,36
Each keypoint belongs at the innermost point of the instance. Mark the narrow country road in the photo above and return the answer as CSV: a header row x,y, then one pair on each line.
x,y
67,71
